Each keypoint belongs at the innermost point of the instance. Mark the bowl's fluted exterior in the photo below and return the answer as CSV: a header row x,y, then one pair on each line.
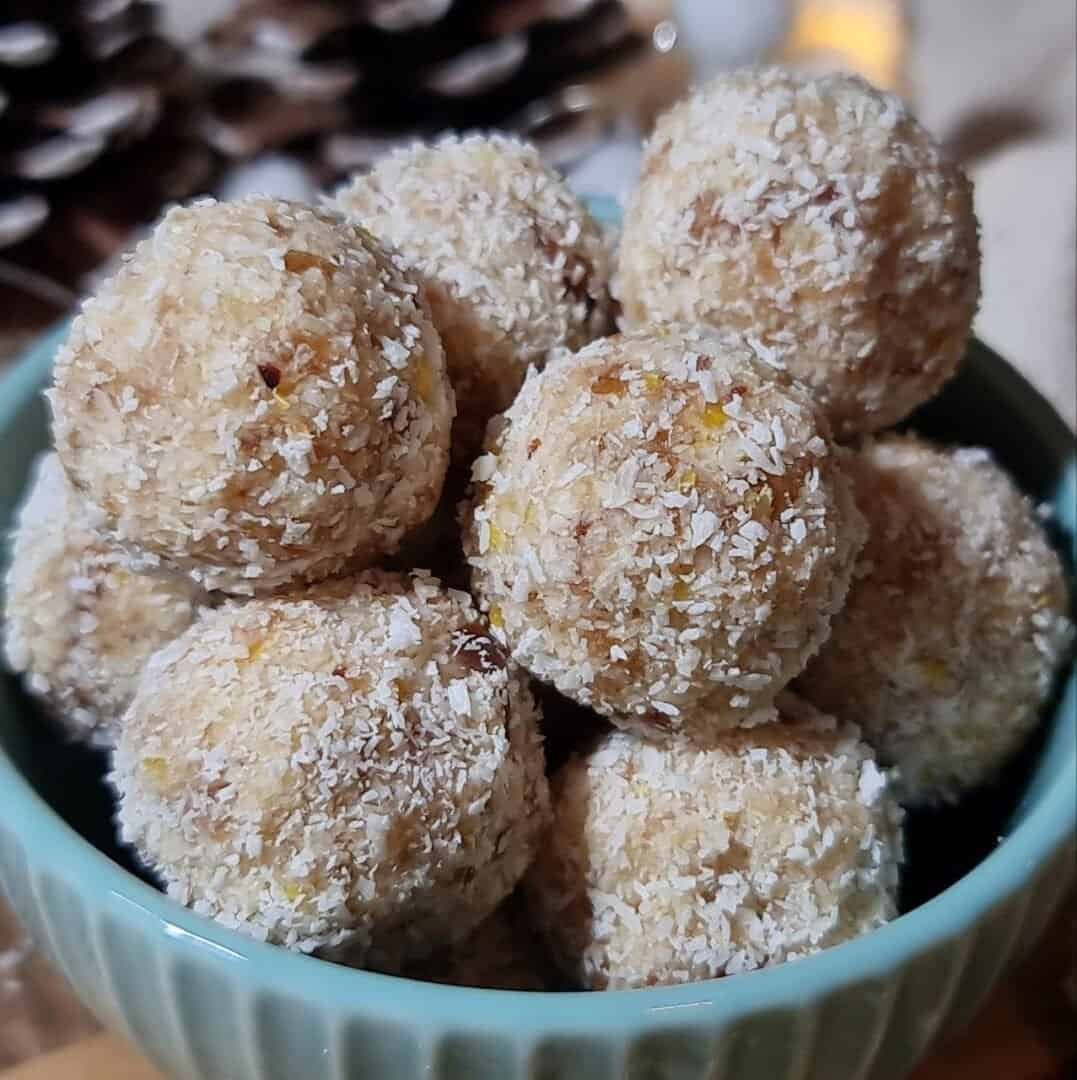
x,y
204,1014
205,1003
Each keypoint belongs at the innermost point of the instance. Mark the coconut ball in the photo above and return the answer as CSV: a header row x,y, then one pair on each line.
x,y
512,262
78,626
662,530
818,217
502,953
256,398
956,621
668,864
353,766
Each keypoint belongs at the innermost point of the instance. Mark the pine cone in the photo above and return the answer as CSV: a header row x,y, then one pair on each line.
x,y
96,129
340,82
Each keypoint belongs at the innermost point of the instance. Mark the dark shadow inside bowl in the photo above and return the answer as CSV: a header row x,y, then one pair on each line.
x,y
70,777
988,404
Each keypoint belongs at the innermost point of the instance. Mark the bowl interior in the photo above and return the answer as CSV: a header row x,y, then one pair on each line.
x,y
987,404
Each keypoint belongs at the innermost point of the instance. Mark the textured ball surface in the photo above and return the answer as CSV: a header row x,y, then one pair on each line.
x,y
256,398
512,263
818,217
353,766
956,621
662,530
671,864
78,626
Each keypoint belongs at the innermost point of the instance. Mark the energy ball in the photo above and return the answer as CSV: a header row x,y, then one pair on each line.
x,y
956,621
512,262
669,864
816,216
662,530
256,398
353,767
78,626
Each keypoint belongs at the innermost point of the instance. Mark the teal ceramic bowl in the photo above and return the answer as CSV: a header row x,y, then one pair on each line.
x,y
204,1002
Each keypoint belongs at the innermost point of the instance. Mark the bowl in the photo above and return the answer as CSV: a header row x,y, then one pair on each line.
x,y
202,1001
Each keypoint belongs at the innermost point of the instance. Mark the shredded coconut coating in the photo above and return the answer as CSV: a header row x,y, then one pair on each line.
x,y
512,262
258,397
78,626
956,621
352,767
669,864
502,953
818,217
662,530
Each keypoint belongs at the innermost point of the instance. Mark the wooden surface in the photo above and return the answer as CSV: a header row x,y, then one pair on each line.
x,y
1027,1031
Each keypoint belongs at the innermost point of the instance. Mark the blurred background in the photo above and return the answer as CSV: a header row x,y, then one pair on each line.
x,y
111,109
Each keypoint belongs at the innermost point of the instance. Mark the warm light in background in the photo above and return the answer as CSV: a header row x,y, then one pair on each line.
x,y
866,36
870,37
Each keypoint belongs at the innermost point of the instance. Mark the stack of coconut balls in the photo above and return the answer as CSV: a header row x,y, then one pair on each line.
x,y
671,526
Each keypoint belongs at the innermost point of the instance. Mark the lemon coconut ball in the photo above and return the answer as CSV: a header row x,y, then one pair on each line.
x,y
353,768
78,626
256,398
512,262
662,530
818,217
956,621
669,864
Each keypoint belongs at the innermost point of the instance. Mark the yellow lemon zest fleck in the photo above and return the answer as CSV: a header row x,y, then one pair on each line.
x,y
496,618
652,382
687,481
498,539
714,417
156,768
292,891
280,400
255,649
